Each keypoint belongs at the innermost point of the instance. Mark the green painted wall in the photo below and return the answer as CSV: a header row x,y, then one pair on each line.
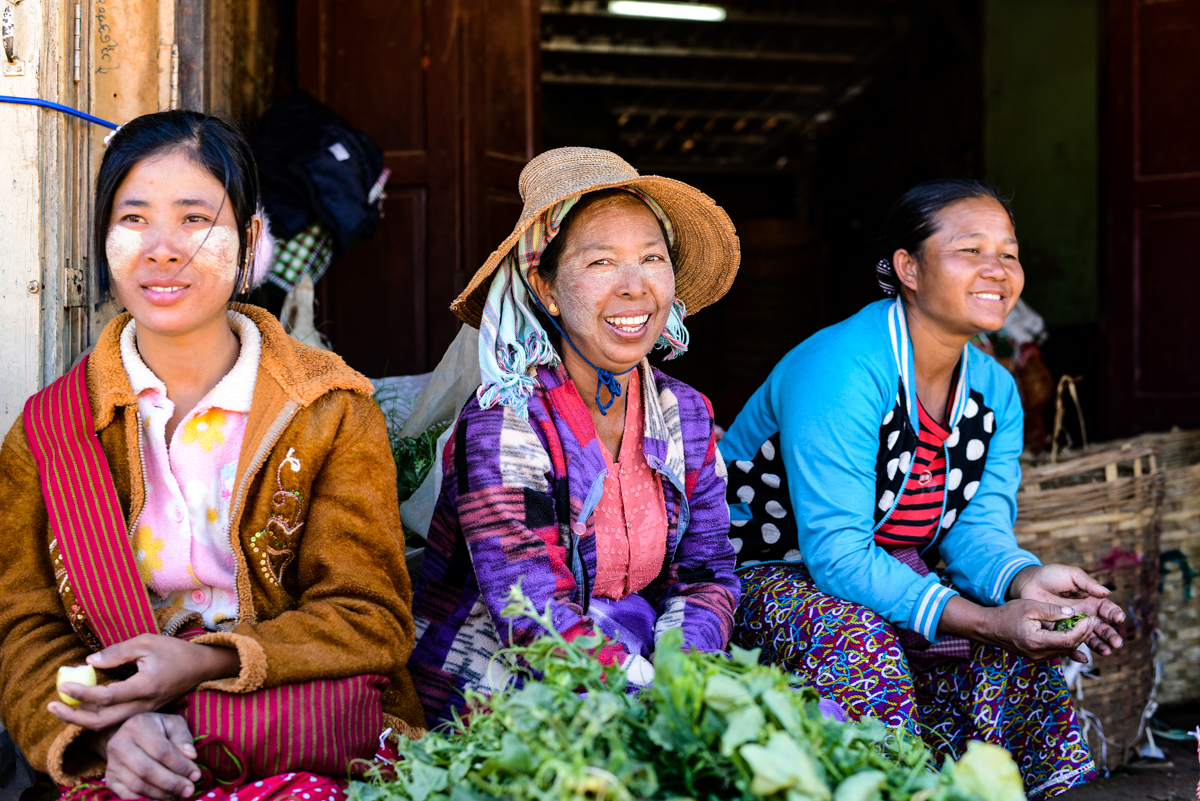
x,y
1040,144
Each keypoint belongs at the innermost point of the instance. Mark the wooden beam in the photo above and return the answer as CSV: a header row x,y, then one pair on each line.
x,y
680,83
669,51
703,113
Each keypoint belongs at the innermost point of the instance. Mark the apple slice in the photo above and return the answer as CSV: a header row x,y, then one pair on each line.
x,y
80,674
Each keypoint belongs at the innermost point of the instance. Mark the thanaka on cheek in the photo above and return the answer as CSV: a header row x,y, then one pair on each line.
x,y
124,249
215,252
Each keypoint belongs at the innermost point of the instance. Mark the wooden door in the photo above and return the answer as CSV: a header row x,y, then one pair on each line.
x,y
450,90
1153,202
47,168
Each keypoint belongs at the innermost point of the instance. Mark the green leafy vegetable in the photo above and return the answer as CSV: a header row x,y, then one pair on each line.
x,y
414,456
987,772
1069,623
710,728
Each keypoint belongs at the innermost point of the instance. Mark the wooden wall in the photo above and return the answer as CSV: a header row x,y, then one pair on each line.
x,y
450,89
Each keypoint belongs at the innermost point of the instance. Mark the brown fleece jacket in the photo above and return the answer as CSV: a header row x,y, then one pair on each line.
x,y
334,602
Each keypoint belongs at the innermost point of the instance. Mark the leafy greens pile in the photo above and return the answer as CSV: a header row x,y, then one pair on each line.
x,y
414,456
709,728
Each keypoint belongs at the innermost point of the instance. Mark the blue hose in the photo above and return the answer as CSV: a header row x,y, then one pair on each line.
x,y
35,101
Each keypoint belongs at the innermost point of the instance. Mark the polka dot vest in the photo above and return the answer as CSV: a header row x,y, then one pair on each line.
x,y
770,535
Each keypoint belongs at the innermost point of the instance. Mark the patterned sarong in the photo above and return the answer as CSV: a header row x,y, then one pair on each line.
x,y
853,656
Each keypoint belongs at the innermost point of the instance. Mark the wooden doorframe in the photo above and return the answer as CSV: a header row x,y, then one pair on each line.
x,y
1151,186
44,208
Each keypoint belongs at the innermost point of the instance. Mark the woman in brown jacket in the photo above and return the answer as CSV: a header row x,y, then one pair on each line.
x,y
258,512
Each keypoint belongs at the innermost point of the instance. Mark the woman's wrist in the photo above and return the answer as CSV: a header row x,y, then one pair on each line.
x,y
962,618
218,662
1017,585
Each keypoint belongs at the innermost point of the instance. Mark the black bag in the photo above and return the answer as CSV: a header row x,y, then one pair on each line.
x,y
314,164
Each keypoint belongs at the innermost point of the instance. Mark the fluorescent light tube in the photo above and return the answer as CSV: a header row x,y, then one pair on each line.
x,y
689,11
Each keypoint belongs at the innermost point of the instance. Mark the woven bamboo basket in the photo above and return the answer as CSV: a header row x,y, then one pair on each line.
x,y
1179,603
1102,512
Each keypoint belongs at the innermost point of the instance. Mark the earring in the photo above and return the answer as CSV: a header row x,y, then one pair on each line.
x,y
553,309
249,269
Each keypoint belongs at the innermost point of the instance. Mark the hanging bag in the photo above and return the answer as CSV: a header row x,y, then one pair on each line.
x,y
317,726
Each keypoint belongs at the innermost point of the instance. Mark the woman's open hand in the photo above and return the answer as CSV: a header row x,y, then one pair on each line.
x,y
1026,627
1021,626
167,669
1062,584
151,756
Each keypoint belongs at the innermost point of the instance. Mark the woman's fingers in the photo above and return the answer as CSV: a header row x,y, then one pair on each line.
x,y
97,719
171,765
120,654
1039,610
1088,584
118,787
180,735
141,686
145,759
140,776
1111,613
1040,643
1108,637
99,695
151,779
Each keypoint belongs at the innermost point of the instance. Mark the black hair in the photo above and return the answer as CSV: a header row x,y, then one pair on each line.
x,y
210,141
548,264
913,218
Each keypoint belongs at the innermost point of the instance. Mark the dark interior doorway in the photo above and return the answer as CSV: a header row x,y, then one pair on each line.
x,y
804,120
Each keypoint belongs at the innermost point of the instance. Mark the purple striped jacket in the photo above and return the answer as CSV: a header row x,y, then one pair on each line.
x,y
511,491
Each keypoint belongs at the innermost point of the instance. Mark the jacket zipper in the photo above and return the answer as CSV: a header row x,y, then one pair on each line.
x,y
937,535
142,470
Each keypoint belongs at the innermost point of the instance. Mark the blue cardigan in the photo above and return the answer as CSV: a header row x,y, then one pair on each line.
x,y
841,411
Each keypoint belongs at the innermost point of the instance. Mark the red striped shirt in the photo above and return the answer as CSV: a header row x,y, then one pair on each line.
x,y
915,519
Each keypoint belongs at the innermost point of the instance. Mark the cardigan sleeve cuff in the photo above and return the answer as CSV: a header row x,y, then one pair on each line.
x,y
68,763
927,611
251,655
1003,574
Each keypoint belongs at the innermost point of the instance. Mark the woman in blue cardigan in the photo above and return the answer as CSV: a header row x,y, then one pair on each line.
x,y
882,446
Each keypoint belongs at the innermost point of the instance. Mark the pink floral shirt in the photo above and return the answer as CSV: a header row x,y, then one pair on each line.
x,y
181,539
631,518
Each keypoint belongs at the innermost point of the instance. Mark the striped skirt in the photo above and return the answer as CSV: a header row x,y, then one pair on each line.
x,y
853,656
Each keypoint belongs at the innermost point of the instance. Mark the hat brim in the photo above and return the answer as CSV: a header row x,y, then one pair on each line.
x,y
707,251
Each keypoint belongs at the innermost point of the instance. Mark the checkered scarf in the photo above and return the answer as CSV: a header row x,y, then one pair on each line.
x,y
512,343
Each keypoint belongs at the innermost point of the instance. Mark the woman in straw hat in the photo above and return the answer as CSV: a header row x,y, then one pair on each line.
x,y
579,470
883,445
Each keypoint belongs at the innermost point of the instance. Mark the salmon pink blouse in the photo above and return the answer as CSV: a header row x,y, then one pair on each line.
x,y
631,519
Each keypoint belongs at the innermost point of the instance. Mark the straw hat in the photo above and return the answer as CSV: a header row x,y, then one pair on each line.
x,y
706,245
